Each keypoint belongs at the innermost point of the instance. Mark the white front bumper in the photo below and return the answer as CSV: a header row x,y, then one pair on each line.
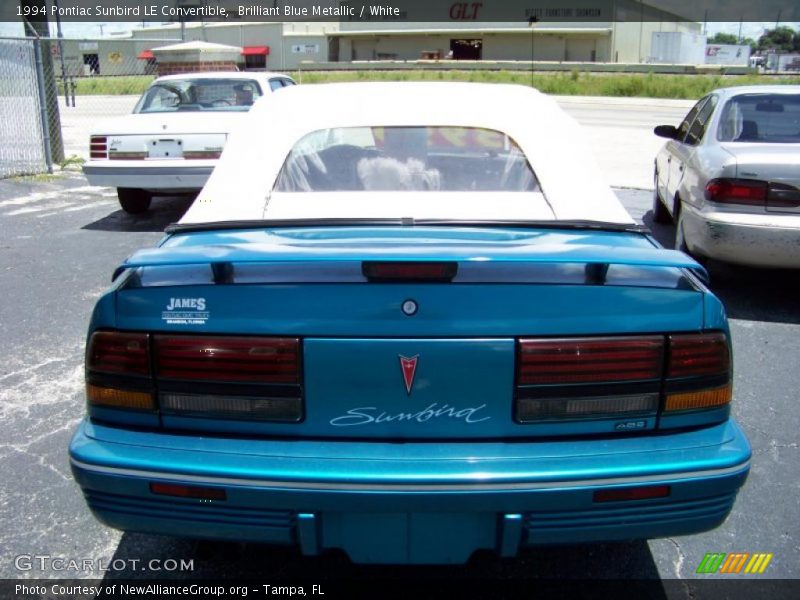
x,y
152,175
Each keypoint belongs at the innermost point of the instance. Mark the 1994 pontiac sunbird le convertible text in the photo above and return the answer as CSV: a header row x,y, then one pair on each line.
x,y
409,327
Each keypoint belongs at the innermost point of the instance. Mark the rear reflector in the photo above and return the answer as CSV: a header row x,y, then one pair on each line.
x,y
700,399
737,191
589,360
634,493
201,154
119,353
409,271
98,147
187,491
233,407
698,354
235,359
535,409
127,155
116,398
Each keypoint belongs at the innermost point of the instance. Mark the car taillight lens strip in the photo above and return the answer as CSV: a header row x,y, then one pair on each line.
x,y
752,192
127,155
589,360
591,377
564,408
201,154
243,377
232,407
228,359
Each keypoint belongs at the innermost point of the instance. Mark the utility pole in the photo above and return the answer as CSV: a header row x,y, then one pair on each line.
x,y
38,27
531,23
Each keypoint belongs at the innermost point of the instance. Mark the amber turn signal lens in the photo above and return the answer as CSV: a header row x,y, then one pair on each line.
x,y
103,396
700,399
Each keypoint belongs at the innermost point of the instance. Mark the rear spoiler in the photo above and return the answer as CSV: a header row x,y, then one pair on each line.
x,y
222,255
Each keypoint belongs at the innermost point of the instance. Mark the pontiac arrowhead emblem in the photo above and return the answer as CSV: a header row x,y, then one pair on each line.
x,y
409,368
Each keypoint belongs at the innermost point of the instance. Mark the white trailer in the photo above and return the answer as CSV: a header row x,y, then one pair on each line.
x,y
728,54
677,48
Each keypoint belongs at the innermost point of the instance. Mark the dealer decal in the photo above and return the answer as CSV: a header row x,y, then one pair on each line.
x,y
186,311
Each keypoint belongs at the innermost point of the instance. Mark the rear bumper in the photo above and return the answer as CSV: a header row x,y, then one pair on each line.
x,y
745,239
174,175
415,502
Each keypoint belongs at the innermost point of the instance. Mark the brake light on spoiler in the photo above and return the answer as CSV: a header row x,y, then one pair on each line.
x,y
592,377
254,378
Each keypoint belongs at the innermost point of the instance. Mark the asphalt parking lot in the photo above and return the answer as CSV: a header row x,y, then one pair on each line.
x,y
61,241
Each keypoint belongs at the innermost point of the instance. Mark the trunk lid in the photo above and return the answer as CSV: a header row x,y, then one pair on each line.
x,y
775,163
168,135
370,368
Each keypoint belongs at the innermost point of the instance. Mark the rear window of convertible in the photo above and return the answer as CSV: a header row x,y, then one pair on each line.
x,y
452,159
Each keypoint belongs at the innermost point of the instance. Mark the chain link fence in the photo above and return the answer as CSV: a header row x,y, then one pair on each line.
x,y
54,90
22,148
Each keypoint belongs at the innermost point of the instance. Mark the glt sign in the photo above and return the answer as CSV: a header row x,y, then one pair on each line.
x,y
465,11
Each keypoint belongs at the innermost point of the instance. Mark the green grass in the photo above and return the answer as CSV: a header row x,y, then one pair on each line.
x,y
572,83
72,162
110,86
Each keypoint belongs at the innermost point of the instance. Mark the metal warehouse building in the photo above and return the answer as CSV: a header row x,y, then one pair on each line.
x,y
285,46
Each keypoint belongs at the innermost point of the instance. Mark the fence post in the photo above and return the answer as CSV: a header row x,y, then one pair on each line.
x,y
37,50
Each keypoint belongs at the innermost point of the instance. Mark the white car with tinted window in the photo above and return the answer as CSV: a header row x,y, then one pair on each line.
x,y
729,177
172,141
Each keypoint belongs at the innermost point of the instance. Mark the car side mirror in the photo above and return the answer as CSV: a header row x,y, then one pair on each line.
x,y
666,131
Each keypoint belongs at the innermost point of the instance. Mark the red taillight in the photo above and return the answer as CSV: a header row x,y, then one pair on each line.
x,y
737,191
589,360
119,353
634,493
409,271
228,359
698,354
98,146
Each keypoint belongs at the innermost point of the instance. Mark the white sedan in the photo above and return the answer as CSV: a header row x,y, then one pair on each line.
x,y
172,141
729,177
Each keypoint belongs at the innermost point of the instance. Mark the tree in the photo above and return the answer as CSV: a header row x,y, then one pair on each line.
x,y
780,39
723,38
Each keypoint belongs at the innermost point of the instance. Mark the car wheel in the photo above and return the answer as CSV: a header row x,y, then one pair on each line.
x,y
134,201
660,212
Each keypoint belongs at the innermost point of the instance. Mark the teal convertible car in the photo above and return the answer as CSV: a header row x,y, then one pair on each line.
x,y
409,321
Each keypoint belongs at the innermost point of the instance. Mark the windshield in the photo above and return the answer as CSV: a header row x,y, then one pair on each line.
x,y
450,159
770,118
209,94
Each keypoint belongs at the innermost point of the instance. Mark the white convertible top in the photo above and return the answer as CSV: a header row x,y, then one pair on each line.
x,y
240,188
